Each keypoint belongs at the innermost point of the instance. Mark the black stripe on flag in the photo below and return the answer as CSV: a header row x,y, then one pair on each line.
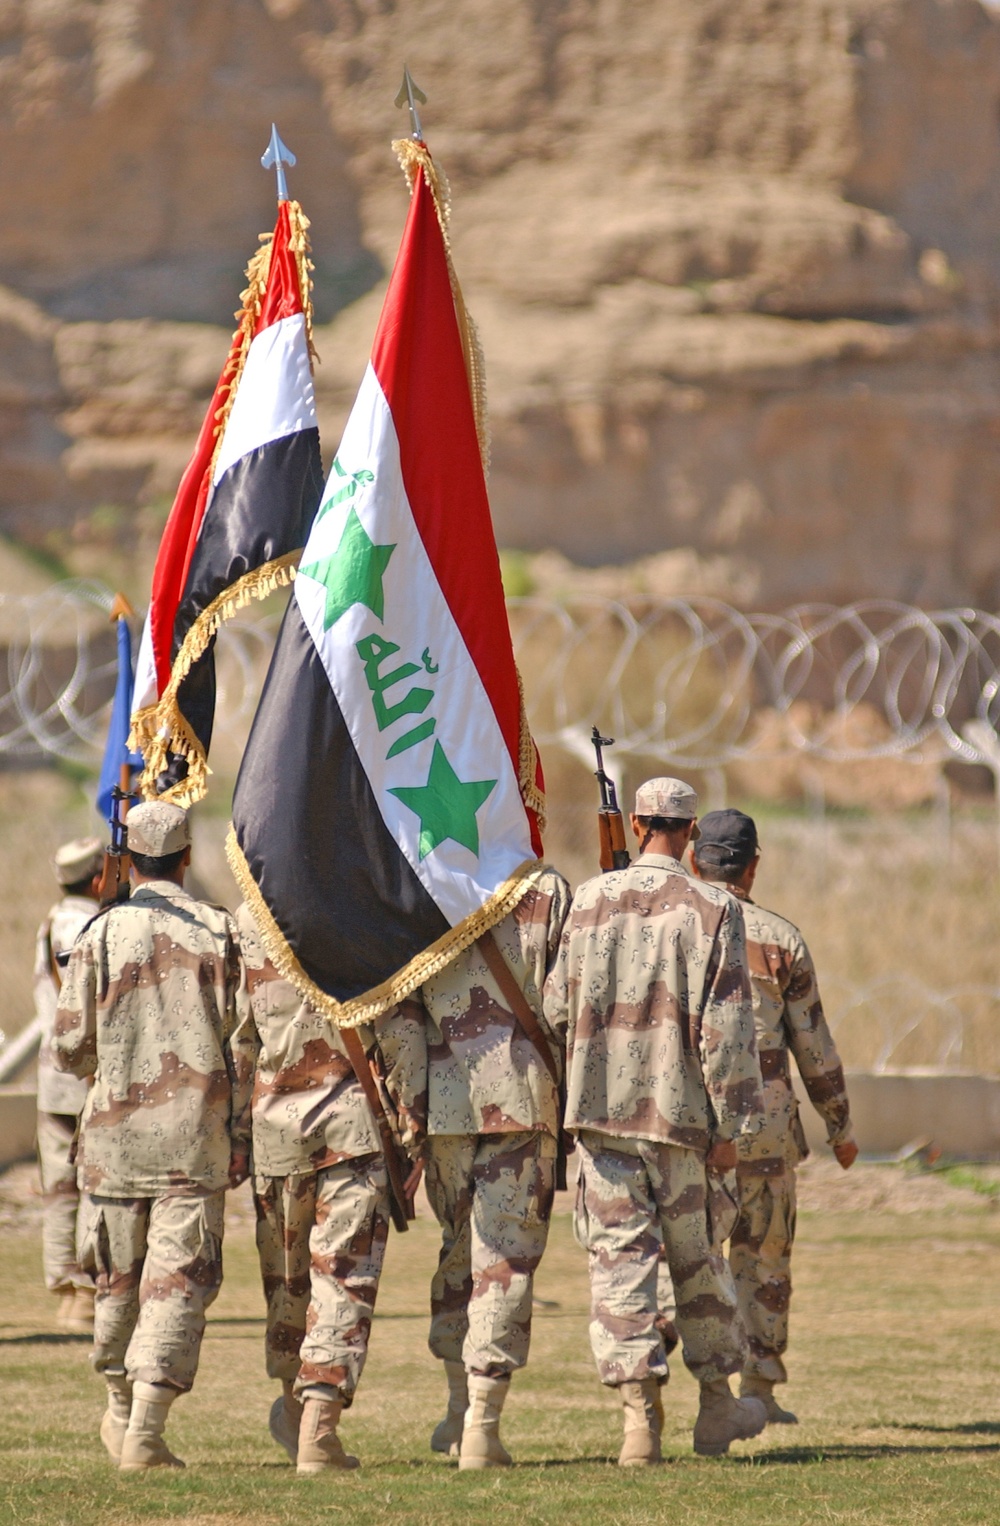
x,y
262,509
308,824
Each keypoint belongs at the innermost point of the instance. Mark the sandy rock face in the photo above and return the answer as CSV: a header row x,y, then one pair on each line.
x,y
735,263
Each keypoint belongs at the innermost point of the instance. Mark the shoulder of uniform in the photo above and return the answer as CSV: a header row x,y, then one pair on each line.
x,y
770,927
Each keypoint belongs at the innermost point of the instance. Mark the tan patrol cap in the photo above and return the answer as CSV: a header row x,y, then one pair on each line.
x,y
671,798
157,828
78,860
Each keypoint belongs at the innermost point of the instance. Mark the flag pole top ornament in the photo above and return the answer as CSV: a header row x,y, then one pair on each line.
x,y
409,94
276,156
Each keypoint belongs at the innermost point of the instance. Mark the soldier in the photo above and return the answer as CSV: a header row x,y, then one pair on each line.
x,y
321,1195
492,1125
154,991
77,867
652,993
788,1015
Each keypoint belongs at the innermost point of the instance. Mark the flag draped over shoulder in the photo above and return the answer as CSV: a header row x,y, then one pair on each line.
x,y
387,809
241,514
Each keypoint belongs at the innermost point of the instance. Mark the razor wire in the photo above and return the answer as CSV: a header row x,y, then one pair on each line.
x,y
692,683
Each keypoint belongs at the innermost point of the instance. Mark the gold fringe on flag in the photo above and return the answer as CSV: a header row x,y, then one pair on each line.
x,y
362,1009
162,729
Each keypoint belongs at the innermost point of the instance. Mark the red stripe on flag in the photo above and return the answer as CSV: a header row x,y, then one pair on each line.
x,y
282,299
417,357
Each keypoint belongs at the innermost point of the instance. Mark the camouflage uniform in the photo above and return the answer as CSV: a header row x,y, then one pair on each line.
x,y
60,1102
651,990
320,1186
492,1123
788,1015
153,995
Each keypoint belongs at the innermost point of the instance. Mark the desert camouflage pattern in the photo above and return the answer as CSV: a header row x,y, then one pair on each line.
x,y
635,1196
484,1075
321,1240
61,1203
152,998
492,1196
158,1267
652,993
309,1111
788,1018
57,1093
760,1255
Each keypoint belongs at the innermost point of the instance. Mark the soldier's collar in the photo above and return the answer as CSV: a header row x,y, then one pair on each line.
x,y
162,887
662,861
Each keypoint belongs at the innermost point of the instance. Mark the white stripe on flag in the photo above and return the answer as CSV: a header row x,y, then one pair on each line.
x,y
275,394
145,691
419,623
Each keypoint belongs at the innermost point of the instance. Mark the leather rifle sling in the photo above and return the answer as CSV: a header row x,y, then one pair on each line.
x,y
517,1001
359,1064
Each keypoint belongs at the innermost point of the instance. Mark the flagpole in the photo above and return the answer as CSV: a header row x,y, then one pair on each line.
x,y
277,155
121,609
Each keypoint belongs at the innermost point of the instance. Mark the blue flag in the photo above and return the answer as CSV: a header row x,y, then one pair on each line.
x,y
116,751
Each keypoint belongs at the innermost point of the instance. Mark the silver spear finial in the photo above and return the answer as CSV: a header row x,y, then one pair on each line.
x,y
277,155
409,95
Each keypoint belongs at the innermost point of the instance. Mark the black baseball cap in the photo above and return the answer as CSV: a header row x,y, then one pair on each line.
x,y
728,838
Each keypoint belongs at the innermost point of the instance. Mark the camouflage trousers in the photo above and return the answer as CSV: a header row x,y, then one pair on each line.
x,y
158,1267
492,1195
760,1255
321,1240
61,1203
635,1196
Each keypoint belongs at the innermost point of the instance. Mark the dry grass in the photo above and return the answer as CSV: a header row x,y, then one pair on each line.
x,y
899,1420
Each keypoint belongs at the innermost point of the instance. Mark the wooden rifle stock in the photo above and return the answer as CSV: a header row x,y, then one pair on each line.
x,y
611,830
114,885
396,1164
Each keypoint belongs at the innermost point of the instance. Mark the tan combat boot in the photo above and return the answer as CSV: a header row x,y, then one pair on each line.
x,y
80,1315
319,1445
722,1419
643,1412
143,1445
114,1421
284,1420
447,1435
763,1389
481,1445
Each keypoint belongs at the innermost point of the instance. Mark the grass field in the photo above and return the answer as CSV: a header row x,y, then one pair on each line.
x,y
895,1375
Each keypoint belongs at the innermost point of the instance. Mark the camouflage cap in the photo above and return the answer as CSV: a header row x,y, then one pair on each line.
x,y
671,798
78,860
158,828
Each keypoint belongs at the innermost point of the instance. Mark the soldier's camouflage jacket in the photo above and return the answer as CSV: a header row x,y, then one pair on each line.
x,y
152,997
57,1093
308,1109
652,992
788,1016
484,1076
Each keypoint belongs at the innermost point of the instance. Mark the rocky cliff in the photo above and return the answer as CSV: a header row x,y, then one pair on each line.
x,y
736,265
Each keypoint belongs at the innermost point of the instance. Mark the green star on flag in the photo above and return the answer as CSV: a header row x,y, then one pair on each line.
x,y
446,806
353,574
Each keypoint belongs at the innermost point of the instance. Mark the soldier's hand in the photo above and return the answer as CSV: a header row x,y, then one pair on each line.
x,y
722,1156
239,1167
846,1153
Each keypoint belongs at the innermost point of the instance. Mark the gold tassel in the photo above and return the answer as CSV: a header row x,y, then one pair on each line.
x,y
415,158
528,763
162,728
428,962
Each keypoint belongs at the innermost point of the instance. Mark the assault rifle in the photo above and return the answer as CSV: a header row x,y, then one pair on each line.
x,y
114,884
610,826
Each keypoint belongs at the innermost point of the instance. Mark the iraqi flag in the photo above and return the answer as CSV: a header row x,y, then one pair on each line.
x,y
241,514
386,811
